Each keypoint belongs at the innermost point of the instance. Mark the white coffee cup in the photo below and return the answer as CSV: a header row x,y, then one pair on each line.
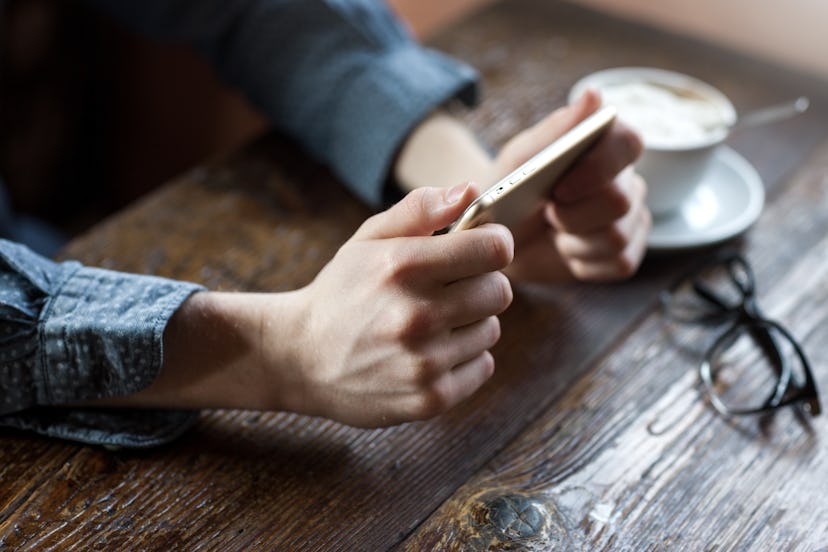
x,y
681,119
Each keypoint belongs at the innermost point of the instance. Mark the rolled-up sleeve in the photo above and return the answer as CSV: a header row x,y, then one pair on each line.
x,y
71,333
342,77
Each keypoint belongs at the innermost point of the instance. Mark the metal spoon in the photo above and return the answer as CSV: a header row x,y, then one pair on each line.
x,y
771,114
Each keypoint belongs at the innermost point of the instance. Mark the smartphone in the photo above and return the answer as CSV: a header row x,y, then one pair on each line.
x,y
514,197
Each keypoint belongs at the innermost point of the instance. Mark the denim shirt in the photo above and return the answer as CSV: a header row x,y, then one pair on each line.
x,y
340,76
71,333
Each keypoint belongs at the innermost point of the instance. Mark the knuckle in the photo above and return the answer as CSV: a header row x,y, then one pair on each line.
x,y
432,401
646,220
488,361
410,324
631,142
493,330
618,202
416,201
579,269
502,290
425,369
616,240
397,266
498,245
625,265
640,186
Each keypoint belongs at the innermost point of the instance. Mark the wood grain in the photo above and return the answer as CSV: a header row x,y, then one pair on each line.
x,y
268,218
632,457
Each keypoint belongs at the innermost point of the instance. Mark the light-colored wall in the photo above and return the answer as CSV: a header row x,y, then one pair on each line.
x,y
792,32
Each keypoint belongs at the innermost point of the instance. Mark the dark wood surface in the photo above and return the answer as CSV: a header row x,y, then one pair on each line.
x,y
591,435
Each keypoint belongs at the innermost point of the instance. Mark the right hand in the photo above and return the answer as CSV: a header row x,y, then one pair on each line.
x,y
595,226
399,323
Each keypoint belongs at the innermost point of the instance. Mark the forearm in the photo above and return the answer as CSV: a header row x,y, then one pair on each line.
x,y
219,352
442,151
344,79
395,328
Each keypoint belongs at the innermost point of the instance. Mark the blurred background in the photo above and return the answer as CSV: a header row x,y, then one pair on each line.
x,y
92,116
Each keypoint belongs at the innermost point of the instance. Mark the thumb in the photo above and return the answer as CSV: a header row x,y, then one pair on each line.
x,y
528,142
420,213
564,119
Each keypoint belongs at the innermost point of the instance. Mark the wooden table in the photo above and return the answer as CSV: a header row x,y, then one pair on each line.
x,y
593,433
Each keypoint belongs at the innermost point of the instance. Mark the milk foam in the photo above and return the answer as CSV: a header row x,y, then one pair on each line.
x,y
664,118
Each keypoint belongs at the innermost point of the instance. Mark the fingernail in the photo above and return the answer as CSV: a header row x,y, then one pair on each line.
x,y
454,193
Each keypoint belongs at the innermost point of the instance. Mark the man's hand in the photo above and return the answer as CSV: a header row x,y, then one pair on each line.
x,y
396,327
596,223
400,321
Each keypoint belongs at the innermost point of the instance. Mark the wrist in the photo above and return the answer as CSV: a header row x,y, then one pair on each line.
x,y
213,356
442,151
287,350
229,350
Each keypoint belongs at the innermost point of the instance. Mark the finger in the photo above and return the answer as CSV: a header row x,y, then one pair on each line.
x,y
608,241
467,377
473,299
451,387
458,346
539,261
440,354
529,229
589,215
450,257
420,213
528,142
617,267
561,120
615,150
590,238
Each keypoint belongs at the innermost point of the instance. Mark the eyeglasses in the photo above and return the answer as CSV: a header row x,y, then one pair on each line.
x,y
754,364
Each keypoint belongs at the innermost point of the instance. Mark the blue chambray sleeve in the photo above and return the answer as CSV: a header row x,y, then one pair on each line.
x,y
71,333
342,77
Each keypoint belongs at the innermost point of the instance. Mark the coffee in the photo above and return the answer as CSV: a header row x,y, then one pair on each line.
x,y
666,117
682,121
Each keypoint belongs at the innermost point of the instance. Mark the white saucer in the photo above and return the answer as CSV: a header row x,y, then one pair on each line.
x,y
727,201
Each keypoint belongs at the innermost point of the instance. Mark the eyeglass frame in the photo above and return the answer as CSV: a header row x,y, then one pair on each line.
x,y
746,316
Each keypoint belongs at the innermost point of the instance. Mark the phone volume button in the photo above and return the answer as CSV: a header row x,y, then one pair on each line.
x,y
528,170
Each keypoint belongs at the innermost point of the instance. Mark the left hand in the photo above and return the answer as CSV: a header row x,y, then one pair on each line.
x,y
596,223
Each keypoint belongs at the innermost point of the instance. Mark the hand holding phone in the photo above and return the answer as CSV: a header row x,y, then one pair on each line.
x,y
514,197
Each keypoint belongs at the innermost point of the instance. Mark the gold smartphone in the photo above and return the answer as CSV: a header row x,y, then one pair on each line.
x,y
514,197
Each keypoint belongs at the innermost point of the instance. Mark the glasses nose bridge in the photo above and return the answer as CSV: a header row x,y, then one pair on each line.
x,y
742,277
749,309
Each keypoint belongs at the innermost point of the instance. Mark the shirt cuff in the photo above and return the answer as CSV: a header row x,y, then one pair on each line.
x,y
393,93
111,428
101,334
